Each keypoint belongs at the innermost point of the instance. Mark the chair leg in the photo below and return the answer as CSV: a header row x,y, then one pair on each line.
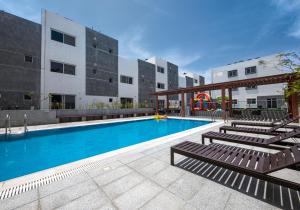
x,y
203,140
210,140
172,157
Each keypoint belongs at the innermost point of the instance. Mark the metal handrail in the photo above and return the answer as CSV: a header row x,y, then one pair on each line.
x,y
7,124
25,123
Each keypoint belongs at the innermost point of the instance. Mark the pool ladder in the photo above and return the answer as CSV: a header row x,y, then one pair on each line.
x,y
7,124
25,123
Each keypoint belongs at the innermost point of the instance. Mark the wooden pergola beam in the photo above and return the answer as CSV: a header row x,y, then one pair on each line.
x,y
267,80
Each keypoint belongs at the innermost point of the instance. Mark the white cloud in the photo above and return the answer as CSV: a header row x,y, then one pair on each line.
x,y
287,6
22,9
151,6
132,46
179,58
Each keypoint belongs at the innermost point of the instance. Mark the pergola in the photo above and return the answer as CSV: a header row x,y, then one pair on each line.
x,y
267,80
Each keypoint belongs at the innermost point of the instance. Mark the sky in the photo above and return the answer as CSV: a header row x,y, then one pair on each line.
x,y
194,34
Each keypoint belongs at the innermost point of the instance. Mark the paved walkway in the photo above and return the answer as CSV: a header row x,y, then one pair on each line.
x,y
140,179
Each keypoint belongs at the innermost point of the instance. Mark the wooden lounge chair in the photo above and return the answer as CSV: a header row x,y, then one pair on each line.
x,y
272,143
264,124
265,131
248,162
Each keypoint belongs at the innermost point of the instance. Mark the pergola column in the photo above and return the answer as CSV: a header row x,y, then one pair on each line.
x,y
156,100
230,101
182,105
293,105
223,102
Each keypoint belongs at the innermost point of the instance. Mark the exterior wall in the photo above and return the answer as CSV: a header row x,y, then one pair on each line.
x,y
188,79
201,80
95,57
146,83
52,50
101,64
172,79
19,37
129,68
160,77
189,83
265,66
262,101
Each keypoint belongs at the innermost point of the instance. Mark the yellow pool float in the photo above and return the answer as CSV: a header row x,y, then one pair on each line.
x,y
159,117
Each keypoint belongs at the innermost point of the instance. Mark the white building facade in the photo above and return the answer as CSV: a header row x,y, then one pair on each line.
x,y
265,96
81,69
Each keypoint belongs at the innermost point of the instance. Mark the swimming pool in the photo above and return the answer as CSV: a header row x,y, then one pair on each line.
x,y
39,150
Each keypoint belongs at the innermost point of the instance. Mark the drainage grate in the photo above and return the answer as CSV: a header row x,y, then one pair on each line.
x,y
273,194
16,190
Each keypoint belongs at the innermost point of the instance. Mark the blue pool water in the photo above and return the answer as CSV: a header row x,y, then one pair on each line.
x,y
38,150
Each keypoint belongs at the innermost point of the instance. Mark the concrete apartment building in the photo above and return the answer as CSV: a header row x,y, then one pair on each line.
x,y
60,64
266,96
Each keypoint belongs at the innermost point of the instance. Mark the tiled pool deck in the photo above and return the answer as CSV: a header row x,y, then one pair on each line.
x,y
139,179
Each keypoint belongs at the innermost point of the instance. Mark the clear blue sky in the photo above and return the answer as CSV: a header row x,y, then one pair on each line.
x,y
196,35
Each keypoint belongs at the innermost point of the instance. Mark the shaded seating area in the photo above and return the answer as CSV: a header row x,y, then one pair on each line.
x,y
263,124
228,87
265,131
272,143
232,164
248,162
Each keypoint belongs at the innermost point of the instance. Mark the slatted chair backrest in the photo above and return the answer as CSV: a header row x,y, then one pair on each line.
x,y
284,123
283,136
280,160
284,118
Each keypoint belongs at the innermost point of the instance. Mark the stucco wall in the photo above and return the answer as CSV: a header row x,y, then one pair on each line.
x,y
52,50
128,67
265,66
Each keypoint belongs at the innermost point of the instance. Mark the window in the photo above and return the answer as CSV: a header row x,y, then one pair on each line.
x,y
232,73
62,101
234,101
57,36
251,101
235,89
69,102
94,71
160,85
69,69
196,81
271,103
57,67
70,40
160,69
161,104
250,70
27,97
127,102
110,100
62,68
110,51
110,80
28,58
63,38
126,79
253,87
